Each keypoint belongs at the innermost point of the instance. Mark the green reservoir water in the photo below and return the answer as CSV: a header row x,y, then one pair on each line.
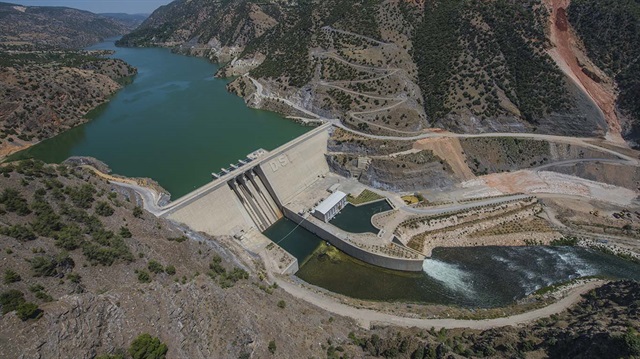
x,y
175,123
358,219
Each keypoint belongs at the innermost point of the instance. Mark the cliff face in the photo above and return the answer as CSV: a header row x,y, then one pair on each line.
x,y
610,31
388,67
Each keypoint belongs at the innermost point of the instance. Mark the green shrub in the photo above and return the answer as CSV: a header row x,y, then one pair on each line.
x,y
272,347
47,221
110,356
14,202
155,267
137,212
147,347
125,232
282,304
74,278
228,279
44,266
216,267
81,196
11,300
11,276
144,277
177,239
104,209
28,310
18,232
49,266
171,270
69,238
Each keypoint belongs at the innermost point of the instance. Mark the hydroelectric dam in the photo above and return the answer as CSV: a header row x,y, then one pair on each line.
x,y
289,181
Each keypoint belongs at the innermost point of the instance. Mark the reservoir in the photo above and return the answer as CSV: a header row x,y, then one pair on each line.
x,y
175,123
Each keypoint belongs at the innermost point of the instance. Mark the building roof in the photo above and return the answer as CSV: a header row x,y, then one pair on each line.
x,y
325,206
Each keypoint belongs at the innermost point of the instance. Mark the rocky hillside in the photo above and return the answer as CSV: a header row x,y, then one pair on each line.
x,y
45,92
610,31
85,271
57,27
390,67
101,271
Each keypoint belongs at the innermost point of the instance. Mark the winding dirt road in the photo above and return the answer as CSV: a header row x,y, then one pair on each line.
x,y
366,317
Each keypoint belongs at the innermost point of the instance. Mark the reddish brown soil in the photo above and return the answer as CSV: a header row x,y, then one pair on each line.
x,y
566,54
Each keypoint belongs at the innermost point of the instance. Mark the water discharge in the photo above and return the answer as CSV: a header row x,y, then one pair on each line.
x,y
450,275
471,277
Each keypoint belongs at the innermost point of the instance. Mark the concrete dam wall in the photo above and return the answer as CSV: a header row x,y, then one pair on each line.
x,y
252,195
257,194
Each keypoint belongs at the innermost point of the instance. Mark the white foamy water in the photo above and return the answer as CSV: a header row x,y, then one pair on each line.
x,y
522,269
578,265
450,275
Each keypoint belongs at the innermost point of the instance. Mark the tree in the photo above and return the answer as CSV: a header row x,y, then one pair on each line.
x,y
147,347
137,212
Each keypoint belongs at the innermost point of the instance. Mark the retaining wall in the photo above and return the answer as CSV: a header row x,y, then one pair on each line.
x,y
407,265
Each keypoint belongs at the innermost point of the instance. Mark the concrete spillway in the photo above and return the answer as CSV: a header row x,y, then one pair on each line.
x,y
252,196
256,200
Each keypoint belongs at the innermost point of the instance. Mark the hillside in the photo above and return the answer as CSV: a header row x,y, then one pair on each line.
x,y
392,67
56,27
610,31
85,271
48,85
45,92
131,20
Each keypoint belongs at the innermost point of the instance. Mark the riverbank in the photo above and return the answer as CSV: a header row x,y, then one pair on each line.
x,y
367,317
610,248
